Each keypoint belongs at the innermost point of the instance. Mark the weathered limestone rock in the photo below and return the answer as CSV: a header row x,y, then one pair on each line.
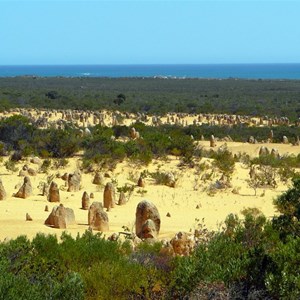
x,y
170,180
35,160
60,217
285,140
2,191
74,182
31,172
133,133
141,182
275,153
251,140
25,190
212,141
182,244
85,201
97,217
28,218
149,230
263,151
122,199
109,196
92,211
65,177
53,195
98,179
271,136
167,249
147,210
100,221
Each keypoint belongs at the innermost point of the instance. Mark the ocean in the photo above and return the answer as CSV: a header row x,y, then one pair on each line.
x,y
218,71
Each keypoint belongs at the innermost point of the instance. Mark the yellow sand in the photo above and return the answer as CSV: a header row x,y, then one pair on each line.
x,y
180,201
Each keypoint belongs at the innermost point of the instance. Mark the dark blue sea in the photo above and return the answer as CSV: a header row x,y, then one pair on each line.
x,y
220,71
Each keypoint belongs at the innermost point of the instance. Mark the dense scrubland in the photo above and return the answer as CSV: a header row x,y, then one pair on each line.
x,y
155,95
248,258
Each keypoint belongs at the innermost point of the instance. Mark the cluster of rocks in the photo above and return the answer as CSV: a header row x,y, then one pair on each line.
x,y
26,171
263,151
85,119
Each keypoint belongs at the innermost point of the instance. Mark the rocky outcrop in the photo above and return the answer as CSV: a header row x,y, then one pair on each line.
x,y
60,217
25,190
53,195
147,220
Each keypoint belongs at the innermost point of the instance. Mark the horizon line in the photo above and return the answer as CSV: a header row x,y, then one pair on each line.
x,y
152,64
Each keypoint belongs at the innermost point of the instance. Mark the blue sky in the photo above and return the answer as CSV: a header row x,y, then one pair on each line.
x,y
149,32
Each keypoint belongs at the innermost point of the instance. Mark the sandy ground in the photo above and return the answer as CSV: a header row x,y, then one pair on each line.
x,y
180,202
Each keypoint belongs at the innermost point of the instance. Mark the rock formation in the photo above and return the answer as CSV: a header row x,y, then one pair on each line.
x,y
97,217
74,182
263,151
60,217
212,141
25,190
182,244
53,195
109,196
147,220
2,191
122,199
85,201
170,180
28,217
141,182
285,140
98,179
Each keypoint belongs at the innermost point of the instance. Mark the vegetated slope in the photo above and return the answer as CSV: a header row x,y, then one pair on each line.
x,y
155,95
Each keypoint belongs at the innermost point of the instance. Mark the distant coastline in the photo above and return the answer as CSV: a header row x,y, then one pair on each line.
x,y
181,71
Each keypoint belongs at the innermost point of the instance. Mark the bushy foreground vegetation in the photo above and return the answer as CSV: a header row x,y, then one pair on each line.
x,y
249,258
154,95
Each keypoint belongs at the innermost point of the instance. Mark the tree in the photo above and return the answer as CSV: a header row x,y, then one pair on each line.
x,y
120,99
288,205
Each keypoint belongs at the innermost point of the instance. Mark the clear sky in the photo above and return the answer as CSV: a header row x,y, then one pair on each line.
x,y
149,32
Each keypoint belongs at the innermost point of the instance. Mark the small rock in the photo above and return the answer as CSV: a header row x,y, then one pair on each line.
x,y
28,218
